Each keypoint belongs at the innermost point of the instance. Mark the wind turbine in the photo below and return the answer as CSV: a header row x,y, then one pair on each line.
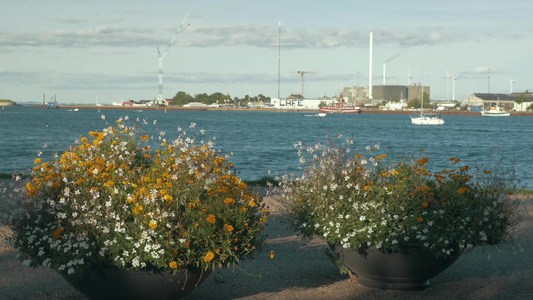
x,y
511,82
409,76
161,56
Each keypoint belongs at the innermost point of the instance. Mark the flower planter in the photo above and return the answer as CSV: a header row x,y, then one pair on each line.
x,y
409,270
115,283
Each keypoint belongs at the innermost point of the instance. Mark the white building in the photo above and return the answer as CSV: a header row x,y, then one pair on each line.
x,y
195,104
299,103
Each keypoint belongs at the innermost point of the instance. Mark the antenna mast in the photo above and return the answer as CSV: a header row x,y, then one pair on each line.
x,y
161,56
279,57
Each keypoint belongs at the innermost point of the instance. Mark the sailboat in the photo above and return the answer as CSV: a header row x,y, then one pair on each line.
x,y
426,119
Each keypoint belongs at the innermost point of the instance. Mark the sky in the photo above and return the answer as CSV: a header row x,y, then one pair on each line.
x,y
107,51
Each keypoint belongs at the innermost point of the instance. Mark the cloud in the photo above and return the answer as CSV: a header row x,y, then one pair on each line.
x,y
482,69
99,81
223,35
71,20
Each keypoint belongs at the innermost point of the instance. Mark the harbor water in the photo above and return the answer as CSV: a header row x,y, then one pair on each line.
x,y
262,143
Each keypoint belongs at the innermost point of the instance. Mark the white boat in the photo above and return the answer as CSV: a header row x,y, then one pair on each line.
x,y
426,119
320,114
495,112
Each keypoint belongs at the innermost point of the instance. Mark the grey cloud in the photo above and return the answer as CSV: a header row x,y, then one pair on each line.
x,y
71,20
227,35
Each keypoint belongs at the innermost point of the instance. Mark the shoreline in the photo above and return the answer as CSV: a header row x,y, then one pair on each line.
x,y
363,111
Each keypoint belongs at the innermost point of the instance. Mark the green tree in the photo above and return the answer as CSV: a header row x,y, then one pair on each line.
x,y
204,98
521,99
181,98
263,98
415,103
219,98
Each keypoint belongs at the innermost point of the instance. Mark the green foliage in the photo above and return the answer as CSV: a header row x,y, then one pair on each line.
x,y
521,99
182,98
374,201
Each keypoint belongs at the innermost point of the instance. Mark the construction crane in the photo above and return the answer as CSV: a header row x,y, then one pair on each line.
x,y
161,56
302,73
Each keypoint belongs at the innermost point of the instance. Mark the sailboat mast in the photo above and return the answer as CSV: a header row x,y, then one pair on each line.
x,y
422,103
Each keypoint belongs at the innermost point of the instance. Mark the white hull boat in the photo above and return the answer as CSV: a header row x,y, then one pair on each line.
x,y
426,119
495,112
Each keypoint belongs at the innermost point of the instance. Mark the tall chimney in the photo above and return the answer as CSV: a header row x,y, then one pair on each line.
x,y
370,70
383,74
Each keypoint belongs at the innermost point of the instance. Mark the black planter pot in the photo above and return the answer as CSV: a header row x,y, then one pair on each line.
x,y
409,270
115,283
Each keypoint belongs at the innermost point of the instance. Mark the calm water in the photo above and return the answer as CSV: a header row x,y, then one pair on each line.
x,y
263,141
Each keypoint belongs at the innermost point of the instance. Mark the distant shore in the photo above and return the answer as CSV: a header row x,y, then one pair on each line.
x,y
363,111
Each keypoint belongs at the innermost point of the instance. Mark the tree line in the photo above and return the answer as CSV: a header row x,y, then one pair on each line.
x,y
183,98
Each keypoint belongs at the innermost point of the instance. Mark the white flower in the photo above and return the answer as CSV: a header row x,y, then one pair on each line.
x,y
135,262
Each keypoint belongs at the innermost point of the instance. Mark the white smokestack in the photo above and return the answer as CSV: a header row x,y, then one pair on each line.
x,y
383,74
370,70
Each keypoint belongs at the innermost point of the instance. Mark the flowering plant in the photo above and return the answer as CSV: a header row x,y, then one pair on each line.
x,y
390,203
118,198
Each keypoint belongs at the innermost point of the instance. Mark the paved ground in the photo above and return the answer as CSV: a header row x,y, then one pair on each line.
x,y
301,270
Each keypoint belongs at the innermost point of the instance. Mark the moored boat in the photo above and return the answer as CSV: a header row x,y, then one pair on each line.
x,y
340,108
495,112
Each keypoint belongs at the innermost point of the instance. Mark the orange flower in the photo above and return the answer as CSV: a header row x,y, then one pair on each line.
x,y
137,210
422,161
209,256
173,264
228,227
425,204
211,219
229,200
153,224
58,232
420,219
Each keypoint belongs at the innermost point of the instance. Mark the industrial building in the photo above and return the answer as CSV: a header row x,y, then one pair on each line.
x,y
483,101
380,93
